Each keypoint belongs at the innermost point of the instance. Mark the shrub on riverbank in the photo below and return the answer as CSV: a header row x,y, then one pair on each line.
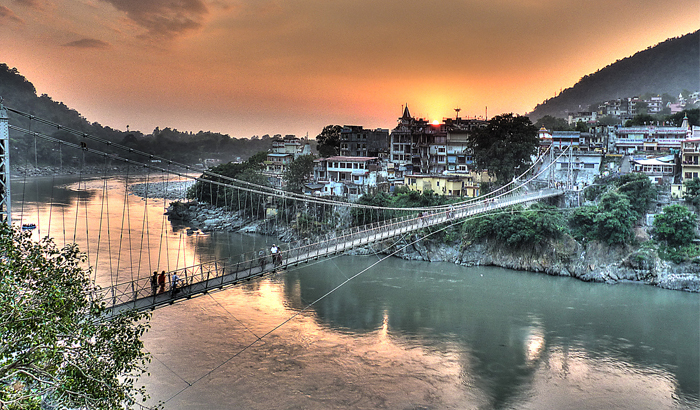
x,y
517,227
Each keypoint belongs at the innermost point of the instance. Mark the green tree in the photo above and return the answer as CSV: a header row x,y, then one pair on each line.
x,y
615,219
675,226
552,123
213,193
504,147
299,172
518,228
329,141
59,348
639,190
692,191
692,114
582,223
640,119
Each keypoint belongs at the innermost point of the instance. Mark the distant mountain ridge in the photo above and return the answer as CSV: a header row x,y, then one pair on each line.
x,y
20,94
669,67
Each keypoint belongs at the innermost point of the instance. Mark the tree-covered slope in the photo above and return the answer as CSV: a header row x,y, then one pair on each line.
x,y
20,94
669,67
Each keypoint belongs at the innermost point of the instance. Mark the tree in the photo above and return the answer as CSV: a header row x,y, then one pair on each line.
x,y
504,147
640,119
207,192
59,348
582,223
692,191
639,190
675,226
552,123
329,141
299,172
615,219
692,114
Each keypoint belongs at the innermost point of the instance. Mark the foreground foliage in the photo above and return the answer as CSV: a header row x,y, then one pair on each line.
x,y
58,350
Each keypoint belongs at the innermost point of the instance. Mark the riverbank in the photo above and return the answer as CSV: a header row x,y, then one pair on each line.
x,y
119,168
593,262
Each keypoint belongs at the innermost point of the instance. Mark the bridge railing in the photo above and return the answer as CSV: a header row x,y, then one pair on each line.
x,y
219,273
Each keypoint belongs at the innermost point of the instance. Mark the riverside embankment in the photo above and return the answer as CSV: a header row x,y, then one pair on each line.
x,y
593,262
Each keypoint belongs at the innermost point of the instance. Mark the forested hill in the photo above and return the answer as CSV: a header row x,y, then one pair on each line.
x,y
20,94
669,67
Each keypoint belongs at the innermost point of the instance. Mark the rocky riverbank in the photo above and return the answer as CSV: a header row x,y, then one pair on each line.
x,y
593,262
172,190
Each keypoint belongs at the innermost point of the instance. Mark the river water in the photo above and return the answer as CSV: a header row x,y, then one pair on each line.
x,y
352,333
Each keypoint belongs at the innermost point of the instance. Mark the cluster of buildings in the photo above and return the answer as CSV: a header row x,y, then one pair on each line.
x,y
667,155
419,154
423,155
626,108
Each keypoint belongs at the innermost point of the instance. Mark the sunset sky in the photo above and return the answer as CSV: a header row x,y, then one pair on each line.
x,y
245,67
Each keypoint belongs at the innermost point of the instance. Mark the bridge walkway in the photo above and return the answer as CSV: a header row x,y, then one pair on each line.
x,y
214,275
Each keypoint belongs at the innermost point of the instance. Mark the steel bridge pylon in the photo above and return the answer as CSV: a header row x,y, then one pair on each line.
x,y
5,198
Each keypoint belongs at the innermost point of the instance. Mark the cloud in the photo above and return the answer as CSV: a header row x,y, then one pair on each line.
x,y
87,43
164,18
8,15
34,4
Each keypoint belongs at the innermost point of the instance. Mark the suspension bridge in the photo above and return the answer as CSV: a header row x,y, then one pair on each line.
x,y
118,243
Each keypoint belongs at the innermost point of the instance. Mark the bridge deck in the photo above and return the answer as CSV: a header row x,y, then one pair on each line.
x,y
200,279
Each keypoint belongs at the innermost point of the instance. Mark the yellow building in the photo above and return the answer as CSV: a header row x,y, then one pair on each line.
x,y
455,185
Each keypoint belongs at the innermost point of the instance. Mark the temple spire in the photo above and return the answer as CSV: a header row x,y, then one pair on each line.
x,y
406,114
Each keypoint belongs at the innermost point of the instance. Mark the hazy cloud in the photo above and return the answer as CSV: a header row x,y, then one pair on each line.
x,y
35,4
87,43
164,18
8,15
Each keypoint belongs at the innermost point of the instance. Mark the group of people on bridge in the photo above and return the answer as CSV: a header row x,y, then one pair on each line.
x,y
158,283
276,255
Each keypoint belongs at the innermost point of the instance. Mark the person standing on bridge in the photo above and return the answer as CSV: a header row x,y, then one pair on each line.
x,y
174,281
276,255
154,282
161,282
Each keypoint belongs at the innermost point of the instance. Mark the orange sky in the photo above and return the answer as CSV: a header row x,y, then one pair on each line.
x,y
245,67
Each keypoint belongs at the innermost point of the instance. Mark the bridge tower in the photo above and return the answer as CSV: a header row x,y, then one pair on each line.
x,y
5,203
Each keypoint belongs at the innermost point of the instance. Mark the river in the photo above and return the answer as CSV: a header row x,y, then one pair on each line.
x,y
342,334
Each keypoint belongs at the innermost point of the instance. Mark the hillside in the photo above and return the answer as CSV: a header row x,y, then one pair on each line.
x,y
669,67
20,94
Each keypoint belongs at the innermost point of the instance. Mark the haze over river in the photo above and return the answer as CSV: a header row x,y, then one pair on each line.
x,y
401,335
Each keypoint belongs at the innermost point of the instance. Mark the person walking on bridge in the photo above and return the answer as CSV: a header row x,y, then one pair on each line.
x,y
161,282
154,282
276,255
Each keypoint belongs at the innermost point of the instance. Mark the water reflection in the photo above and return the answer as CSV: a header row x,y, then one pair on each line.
x,y
511,325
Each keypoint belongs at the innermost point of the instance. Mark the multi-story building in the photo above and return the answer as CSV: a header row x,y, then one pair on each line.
x,y
650,138
275,166
453,185
355,141
350,177
290,144
657,169
420,147
559,139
